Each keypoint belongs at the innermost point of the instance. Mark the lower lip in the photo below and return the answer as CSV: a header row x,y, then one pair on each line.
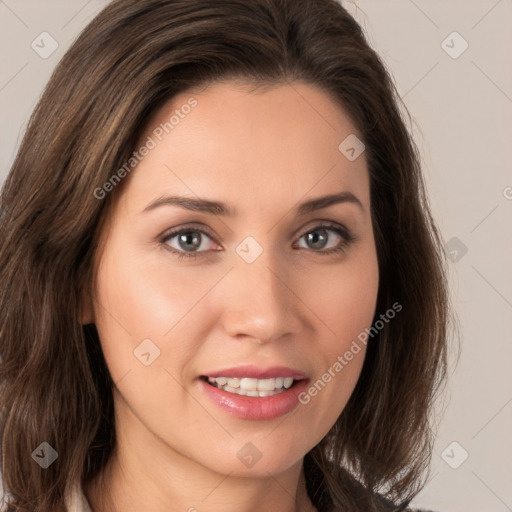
x,y
256,408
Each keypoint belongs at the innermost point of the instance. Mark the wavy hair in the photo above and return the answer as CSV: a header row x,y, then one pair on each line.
x,y
135,55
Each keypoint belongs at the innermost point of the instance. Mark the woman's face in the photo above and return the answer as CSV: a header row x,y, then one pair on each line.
x,y
266,288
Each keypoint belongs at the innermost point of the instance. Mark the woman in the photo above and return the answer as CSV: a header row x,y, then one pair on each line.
x,y
222,287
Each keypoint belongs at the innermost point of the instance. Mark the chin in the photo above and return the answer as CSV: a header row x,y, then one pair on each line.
x,y
253,456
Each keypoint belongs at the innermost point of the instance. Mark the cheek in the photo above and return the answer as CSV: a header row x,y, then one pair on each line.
x,y
135,302
345,302
147,296
345,299
143,295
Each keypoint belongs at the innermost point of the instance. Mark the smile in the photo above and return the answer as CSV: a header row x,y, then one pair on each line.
x,y
247,386
253,393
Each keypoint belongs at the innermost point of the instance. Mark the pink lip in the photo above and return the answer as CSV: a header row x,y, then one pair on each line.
x,y
257,373
256,408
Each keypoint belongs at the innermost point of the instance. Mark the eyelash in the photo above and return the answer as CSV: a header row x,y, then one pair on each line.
x,y
346,235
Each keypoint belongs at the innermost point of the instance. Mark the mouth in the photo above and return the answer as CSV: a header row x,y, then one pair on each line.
x,y
253,387
253,393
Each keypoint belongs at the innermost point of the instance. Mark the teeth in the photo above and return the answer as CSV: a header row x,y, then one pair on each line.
x,y
288,382
249,384
252,387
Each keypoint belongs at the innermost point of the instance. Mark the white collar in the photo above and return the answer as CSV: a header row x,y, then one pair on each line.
x,y
75,500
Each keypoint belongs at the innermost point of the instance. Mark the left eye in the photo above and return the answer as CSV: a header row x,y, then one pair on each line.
x,y
318,237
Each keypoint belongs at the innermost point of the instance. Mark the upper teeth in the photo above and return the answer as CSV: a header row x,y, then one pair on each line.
x,y
249,384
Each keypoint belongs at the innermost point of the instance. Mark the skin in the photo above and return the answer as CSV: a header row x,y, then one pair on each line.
x,y
262,152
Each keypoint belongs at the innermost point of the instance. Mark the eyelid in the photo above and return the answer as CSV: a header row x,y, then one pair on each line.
x,y
319,224
202,228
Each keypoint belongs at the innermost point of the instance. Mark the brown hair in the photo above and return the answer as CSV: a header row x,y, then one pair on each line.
x,y
136,54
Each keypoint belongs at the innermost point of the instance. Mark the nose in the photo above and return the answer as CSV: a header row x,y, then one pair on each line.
x,y
259,301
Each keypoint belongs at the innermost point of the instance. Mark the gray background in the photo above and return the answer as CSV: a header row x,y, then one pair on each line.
x,y
462,113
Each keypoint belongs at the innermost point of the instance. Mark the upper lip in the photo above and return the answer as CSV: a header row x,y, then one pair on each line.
x,y
255,372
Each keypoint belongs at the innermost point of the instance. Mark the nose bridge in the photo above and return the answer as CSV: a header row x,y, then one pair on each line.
x,y
258,303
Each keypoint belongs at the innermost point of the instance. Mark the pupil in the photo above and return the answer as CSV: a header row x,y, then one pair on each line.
x,y
187,238
314,238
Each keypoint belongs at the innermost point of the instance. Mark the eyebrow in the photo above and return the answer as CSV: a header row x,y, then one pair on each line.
x,y
218,208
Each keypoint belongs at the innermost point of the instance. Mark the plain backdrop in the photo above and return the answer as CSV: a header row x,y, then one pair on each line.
x,y
451,61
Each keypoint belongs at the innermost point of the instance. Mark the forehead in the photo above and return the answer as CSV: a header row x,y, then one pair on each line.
x,y
252,145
